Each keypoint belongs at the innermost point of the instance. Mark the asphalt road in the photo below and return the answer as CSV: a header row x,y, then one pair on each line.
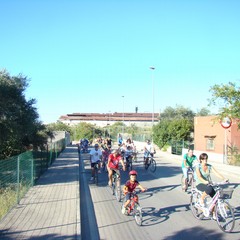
x,y
166,211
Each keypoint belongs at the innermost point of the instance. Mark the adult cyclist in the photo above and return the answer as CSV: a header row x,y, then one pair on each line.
x,y
95,159
113,164
188,163
148,150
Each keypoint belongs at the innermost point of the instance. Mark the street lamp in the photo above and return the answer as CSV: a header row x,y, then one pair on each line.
x,y
123,117
109,123
152,68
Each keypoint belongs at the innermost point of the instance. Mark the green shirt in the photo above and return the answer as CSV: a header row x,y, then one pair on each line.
x,y
189,160
205,175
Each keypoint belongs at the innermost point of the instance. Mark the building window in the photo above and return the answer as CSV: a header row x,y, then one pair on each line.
x,y
210,143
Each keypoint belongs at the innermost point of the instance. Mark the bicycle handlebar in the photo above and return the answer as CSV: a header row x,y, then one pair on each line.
x,y
216,184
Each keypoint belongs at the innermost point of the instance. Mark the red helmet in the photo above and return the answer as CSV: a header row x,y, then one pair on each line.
x,y
133,172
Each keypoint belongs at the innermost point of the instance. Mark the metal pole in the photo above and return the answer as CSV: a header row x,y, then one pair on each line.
x,y
123,118
18,179
225,146
152,68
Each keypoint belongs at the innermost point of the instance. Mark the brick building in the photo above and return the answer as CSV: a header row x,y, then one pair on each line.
x,y
210,136
103,119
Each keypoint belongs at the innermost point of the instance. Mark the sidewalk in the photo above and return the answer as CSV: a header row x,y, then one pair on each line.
x,y
50,210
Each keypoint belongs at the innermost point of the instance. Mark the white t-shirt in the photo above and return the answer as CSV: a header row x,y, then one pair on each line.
x,y
95,155
149,148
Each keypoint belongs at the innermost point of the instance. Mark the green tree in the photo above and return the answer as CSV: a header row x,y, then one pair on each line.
x,y
203,112
19,124
116,128
180,129
132,130
227,98
175,124
86,130
179,112
161,135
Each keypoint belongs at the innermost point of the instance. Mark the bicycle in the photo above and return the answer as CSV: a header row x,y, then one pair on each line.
x,y
223,211
96,169
150,162
129,162
190,180
116,185
134,208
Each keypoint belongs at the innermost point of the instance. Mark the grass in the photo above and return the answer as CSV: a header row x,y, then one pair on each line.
x,y
8,198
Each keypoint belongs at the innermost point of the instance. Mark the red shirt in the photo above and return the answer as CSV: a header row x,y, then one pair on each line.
x,y
131,186
114,161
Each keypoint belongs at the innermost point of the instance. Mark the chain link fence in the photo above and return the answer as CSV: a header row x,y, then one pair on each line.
x,y
19,173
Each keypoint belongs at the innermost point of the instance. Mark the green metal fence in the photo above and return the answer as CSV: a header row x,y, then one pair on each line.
x,y
177,146
19,173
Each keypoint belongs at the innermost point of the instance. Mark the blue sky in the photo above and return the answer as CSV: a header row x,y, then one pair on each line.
x,y
84,55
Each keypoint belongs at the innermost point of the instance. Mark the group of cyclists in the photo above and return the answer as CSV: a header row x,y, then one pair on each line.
x,y
102,155
112,158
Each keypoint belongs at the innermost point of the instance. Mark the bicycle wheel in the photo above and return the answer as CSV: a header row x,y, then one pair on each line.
x,y
118,191
195,207
225,216
130,165
137,213
113,186
183,183
96,176
152,166
146,163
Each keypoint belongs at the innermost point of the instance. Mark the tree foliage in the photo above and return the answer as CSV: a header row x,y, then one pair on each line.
x,y
203,112
179,112
86,130
161,134
19,124
227,98
175,124
58,126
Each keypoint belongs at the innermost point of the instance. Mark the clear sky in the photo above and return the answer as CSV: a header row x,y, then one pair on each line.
x,y
84,55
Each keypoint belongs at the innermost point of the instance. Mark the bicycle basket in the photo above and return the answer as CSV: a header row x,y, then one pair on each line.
x,y
226,193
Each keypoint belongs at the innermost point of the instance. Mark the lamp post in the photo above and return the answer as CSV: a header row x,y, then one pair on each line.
x,y
152,68
123,117
109,123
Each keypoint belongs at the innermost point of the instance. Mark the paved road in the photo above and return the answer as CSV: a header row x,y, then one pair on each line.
x,y
50,210
166,213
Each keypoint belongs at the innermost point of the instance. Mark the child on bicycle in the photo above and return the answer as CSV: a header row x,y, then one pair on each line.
x,y
129,188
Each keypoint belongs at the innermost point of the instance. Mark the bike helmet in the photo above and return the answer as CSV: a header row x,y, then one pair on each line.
x,y
133,172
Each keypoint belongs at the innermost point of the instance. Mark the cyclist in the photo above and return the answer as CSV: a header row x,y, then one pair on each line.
x,y
148,149
129,187
109,142
95,158
84,144
189,161
113,164
120,139
128,153
105,154
203,178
